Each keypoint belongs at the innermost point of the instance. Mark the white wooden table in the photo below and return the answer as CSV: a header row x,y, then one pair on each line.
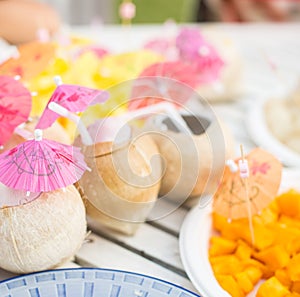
x,y
154,249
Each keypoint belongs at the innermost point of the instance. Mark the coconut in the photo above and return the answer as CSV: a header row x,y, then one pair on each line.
x,y
124,182
42,234
192,167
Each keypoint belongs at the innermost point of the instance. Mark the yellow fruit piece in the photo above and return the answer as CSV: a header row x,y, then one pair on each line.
x,y
218,222
274,206
239,229
265,270
272,288
275,257
229,284
244,282
254,274
295,287
243,250
285,235
289,203
228,264
293,268
267,216
283,277
293,294
293,247
221,246
263,237
289,221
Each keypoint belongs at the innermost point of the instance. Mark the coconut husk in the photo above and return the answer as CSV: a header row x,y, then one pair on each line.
x,y
191,168
42,234
124,182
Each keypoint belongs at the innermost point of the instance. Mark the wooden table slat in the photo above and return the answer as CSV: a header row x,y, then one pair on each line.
x,y
105,254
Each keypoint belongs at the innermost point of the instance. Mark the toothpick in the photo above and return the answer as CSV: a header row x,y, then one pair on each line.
x,y
244,173
242,152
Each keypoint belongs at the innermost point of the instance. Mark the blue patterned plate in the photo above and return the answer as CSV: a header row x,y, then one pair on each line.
x,y
89,282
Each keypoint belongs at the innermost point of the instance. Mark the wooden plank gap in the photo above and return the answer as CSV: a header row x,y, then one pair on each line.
x,y
143,254
163,228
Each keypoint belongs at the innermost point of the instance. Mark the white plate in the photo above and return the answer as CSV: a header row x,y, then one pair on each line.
x,y
261,135
194,242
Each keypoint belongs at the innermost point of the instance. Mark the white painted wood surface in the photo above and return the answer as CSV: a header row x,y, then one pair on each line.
x,y
154,248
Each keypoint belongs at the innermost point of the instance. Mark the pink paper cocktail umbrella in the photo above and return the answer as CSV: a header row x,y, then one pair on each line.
x,y
41,165
176,70
189,40
195,49
15,106
169,80
72,97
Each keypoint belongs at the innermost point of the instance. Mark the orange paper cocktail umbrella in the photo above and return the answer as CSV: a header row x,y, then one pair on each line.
x,y
33,59
236,197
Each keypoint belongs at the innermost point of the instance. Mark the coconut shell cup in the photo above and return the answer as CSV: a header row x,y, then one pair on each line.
x,y
42,234
123,184
193,163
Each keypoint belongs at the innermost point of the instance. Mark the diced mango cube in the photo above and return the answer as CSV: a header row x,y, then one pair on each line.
x,y
228,264
274,206
284,234
275,257
263,238
289,221
243,250
295,287
229,284
272,288
293,268
218,221
254,274
221,246
289,203
239,229
267,216
244,281
283,276
267,272
233,230
293,246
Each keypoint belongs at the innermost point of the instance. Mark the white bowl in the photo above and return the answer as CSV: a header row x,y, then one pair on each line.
x,y
261,135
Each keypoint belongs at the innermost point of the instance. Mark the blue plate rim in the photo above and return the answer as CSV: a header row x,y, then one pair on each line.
x,y
101,269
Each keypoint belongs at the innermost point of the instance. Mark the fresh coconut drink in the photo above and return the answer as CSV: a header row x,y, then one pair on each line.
x,y
42,216
42,233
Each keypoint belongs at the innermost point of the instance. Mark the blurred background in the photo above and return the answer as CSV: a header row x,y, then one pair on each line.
x,y
79,12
